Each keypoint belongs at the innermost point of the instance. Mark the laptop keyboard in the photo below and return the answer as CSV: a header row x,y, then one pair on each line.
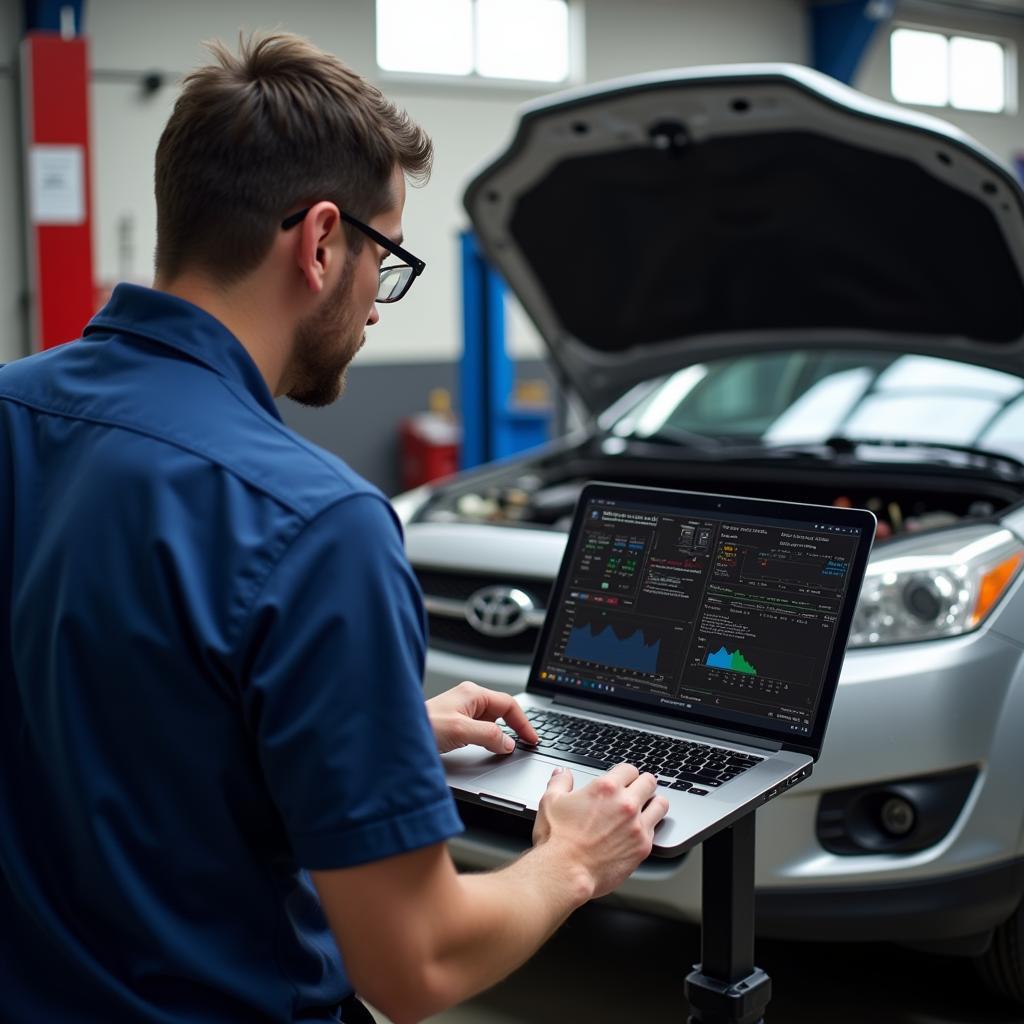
x,y
679,764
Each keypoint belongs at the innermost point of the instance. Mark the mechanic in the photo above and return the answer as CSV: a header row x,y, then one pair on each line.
x,y
216,765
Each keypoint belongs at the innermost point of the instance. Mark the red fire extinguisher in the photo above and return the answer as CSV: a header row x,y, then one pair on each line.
x,y
429,442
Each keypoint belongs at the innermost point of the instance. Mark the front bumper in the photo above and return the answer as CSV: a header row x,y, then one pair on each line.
x,y
900,712
928,911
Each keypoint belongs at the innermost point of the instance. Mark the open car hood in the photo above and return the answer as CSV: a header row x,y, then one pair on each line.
x,y
664,219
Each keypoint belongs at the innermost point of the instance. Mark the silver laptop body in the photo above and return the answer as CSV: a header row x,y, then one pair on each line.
x,y
702,633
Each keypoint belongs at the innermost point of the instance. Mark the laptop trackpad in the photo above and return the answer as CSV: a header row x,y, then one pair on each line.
x,y
526,780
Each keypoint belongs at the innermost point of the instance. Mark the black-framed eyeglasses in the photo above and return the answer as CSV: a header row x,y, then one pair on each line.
x,y
396,279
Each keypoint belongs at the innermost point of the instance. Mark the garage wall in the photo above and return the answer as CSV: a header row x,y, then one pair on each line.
x,y
416,340
466,122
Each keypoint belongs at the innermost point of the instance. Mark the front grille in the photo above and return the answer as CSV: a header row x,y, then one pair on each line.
x,y
457,636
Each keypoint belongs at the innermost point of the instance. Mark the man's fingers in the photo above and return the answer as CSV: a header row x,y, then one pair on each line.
x,y
516,717
502,705
644,787
623,773
487,735
654,812
560,781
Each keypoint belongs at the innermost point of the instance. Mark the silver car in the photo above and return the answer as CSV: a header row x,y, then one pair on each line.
x,y
756,281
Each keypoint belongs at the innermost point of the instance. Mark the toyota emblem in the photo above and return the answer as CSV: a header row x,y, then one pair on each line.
x,y
499,611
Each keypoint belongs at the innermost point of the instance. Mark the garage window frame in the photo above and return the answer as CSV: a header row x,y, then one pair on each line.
x,y
1009,55
474,76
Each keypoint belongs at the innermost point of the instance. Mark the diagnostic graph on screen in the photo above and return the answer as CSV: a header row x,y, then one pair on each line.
x,y
605,647
622,642
787,569
756,661
732,660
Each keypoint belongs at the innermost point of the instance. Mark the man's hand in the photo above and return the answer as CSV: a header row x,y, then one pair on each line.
x,y
417,937
467,714
607,827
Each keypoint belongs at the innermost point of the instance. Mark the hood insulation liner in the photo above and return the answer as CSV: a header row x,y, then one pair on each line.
x,y
756,232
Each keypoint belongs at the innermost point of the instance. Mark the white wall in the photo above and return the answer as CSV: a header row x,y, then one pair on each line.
x,y
1003,134
467,123
624,36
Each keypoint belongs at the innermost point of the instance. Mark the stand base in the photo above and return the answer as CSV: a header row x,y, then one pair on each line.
x,y
714,1002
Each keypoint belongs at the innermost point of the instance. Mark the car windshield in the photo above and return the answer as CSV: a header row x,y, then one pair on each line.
x,y
811,396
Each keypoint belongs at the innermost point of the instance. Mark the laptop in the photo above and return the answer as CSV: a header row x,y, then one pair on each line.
x,y
697,636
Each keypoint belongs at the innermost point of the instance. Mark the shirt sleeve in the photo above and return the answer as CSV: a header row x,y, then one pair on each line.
x,y
334,693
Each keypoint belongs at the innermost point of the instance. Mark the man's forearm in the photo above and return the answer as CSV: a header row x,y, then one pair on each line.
x,y
417,937
502,917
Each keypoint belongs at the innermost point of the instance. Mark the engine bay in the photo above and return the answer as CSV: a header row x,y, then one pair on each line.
x,y
544,493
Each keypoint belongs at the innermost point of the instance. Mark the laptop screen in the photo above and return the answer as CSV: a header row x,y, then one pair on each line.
x,y
732,611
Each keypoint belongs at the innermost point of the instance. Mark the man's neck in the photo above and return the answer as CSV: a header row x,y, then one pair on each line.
x,y
244,310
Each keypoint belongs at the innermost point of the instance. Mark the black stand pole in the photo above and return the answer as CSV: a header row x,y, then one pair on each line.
x,y
726,987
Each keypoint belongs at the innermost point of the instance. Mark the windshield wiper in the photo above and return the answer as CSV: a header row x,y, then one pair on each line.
x,y
680,435
736,448
820,450
748,448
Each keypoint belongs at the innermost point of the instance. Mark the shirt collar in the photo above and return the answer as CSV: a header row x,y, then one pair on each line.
x,y
180,325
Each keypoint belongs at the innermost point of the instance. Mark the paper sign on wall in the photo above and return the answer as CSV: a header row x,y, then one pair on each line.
x,y
57,184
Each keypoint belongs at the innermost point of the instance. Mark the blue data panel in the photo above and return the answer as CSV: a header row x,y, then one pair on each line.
x,y
606,647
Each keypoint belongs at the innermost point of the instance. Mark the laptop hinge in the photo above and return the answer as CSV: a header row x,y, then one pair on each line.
x,y
671,723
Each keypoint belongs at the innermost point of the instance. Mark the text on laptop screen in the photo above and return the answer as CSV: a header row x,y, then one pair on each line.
x,y
728,616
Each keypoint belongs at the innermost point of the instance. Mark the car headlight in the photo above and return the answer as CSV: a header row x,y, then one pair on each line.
x,y
933,586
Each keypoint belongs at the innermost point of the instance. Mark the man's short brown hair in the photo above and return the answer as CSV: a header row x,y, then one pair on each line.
x,y
258,135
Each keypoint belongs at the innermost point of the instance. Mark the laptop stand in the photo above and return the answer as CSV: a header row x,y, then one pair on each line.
x,y
726,987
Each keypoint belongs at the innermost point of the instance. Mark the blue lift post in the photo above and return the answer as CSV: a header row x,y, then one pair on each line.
x,y
54,15
841,31
492,426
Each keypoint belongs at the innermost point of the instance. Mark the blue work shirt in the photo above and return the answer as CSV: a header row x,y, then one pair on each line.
x,y
211,654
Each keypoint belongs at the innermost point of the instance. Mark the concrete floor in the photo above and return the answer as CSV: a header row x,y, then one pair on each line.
x,y
609,965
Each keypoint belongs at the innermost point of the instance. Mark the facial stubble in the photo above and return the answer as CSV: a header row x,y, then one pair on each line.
x,y
325,343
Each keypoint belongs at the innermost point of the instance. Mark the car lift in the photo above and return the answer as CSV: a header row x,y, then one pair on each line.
x,y
493,426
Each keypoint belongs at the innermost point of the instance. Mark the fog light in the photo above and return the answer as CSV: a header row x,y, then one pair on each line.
x,y
893,816
898,816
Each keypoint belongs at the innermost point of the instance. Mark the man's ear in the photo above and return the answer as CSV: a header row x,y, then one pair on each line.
x,y
320,241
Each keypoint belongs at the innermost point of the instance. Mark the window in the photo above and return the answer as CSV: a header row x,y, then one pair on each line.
x,y
509,39
938,70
